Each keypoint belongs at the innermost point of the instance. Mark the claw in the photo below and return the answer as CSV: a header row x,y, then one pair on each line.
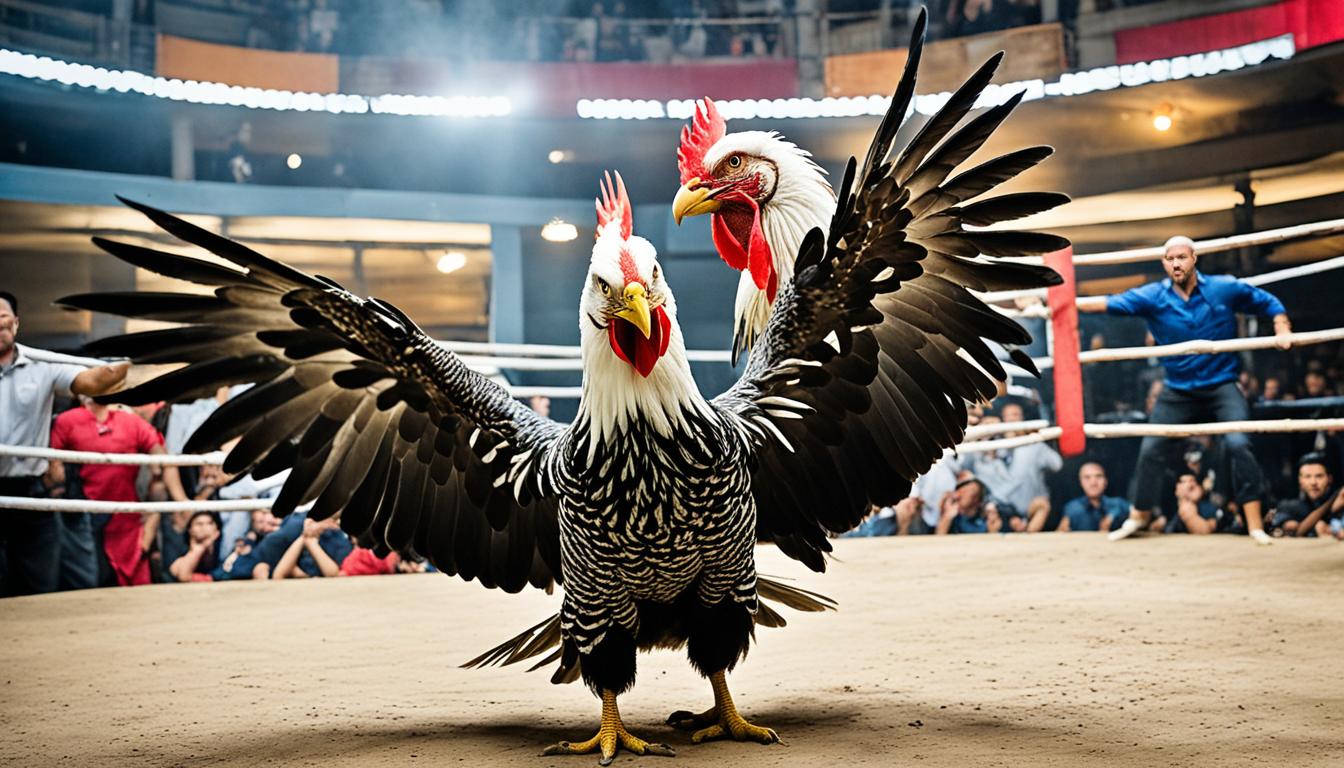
x,y
610,735
721,721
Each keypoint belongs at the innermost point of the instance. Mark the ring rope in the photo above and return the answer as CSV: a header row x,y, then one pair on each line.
x,y
1265,278
26,504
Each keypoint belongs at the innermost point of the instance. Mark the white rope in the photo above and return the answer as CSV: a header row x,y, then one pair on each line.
x,y
466,348
1103,431
1003,444
1106,431
87,505
981,431
89,457
1278,275
1217,244
47,356
1098,431
1206,347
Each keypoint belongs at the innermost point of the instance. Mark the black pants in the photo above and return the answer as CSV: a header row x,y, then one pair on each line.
x,y
1191,406
30,544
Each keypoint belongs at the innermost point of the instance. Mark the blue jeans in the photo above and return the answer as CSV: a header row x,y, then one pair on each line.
x,y
79,555
1223,402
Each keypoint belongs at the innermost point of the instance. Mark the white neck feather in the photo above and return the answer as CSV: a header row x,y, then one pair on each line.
x,y
803,200
615,396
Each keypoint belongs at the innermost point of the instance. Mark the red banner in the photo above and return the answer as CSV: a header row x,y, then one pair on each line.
x,y
1311,23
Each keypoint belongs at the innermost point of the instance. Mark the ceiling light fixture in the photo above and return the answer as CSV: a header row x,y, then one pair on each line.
x,y
451,261
294,161
558,230
1163,117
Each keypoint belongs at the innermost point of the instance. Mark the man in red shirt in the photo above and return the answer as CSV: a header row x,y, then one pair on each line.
x,y
96,427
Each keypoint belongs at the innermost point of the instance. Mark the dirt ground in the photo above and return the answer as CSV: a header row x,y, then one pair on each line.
x,y
1051,650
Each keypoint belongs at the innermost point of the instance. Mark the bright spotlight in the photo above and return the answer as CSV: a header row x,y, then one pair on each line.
x,y
559,231
452,261
556,156
1163,117
294,161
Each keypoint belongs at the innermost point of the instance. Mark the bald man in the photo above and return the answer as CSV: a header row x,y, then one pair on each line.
x,y
1190,305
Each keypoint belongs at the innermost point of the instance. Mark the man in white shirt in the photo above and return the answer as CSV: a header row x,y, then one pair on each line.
x,y
30,541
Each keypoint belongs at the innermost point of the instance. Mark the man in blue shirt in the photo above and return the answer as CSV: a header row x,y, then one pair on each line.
x,y
1094,511
1189,305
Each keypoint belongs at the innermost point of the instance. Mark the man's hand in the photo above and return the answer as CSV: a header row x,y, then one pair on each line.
x,y
1283,327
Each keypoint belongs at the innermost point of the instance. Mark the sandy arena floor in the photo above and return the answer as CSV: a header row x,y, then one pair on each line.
x,y
1057,650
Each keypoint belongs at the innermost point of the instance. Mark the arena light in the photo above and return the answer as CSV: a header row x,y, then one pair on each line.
x,y
1068,84
557,156
1164,116
27,65
294,161
451,261
558,230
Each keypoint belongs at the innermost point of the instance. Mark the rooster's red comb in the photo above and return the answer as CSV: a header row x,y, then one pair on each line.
x,y
615,206
706,128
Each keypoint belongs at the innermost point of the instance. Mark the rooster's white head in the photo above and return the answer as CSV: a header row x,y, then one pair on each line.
x,y
743,179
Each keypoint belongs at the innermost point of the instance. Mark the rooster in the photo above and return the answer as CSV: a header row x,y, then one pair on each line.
x,y
764,194
647,508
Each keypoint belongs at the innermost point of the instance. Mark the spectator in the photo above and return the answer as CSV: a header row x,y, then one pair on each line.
x,y
240,163
323,542
1314,384
1186,306
1194,513
322,25
30,541
1018,475
967,510
1094,510
363,562
1272,391
1318,503
288,542
881,521
127,537
201,558
244,556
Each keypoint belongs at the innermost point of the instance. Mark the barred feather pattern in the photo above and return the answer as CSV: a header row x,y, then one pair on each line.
x,y
649,516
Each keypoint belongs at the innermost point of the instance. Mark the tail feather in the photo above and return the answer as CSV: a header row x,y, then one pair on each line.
x,y
545,635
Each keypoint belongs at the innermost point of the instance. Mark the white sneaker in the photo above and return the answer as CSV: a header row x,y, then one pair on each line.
x,y
1126,529
1261,537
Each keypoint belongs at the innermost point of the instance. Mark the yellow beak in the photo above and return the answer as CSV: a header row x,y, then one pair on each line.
x,y
692,202
636,309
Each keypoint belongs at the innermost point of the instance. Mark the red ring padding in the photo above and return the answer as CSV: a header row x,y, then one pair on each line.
x,y
1062,299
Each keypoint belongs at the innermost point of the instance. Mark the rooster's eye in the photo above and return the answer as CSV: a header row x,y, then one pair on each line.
x,y
735,161
655,272
602,284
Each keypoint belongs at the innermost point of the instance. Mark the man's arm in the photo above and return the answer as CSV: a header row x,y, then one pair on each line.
x,y
1253,300
100,380
1194,523
289,561
1091,303
1330,505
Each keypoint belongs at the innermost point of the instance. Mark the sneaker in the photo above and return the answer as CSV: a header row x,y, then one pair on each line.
x,y
1126,529
1261,537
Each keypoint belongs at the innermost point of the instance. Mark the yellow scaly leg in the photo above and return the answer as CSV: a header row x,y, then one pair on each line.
x,y
610,735
722,720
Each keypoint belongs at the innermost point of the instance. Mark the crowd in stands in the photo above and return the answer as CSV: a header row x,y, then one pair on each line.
x,y
129,549
1031,488
578,30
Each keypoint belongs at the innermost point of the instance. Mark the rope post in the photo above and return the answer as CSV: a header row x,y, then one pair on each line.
x,y
1068,371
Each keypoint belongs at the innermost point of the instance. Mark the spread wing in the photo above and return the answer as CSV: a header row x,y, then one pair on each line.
x,y
861,378
377,422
